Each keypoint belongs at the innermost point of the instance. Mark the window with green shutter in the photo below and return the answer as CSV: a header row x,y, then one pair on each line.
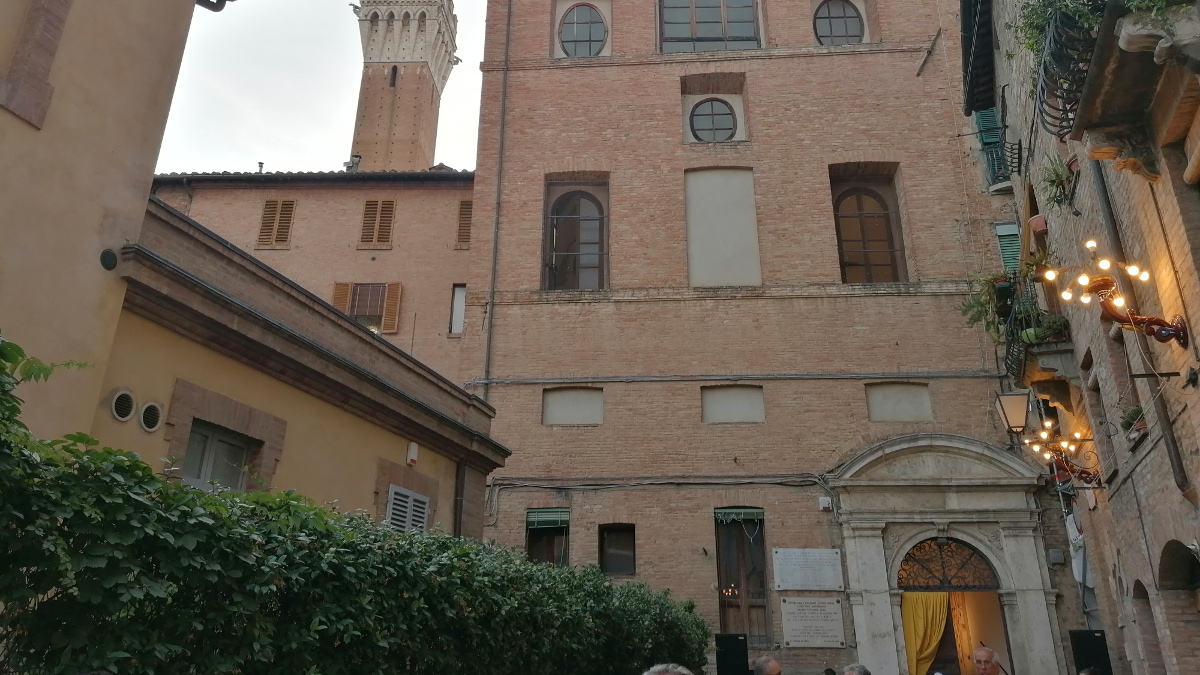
x,y
547,535
1009,237
991,141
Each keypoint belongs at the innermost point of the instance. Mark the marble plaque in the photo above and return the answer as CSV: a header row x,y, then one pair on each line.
x,y
808,569
812,622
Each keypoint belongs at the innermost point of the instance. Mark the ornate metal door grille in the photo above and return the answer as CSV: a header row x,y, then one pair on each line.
x,y
947,566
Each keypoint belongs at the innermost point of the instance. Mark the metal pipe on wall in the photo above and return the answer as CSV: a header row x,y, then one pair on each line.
x,y
1113,235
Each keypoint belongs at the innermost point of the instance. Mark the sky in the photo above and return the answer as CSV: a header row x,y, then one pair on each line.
x,y
276,81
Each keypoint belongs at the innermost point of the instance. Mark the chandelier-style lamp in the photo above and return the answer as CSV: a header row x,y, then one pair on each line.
x,y
1064,454
1096,282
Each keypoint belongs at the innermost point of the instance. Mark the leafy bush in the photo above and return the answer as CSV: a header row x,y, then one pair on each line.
x,y
105,565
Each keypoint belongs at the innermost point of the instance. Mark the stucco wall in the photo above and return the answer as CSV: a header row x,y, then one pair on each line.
x,y
328,453
78,185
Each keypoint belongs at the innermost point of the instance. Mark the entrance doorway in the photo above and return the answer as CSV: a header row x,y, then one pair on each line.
x,y
950,607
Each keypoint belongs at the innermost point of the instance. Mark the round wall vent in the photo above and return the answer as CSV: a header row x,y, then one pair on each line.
x,y
123,406
152,417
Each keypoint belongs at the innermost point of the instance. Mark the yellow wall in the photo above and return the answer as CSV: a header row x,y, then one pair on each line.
x,y
328,453
79,185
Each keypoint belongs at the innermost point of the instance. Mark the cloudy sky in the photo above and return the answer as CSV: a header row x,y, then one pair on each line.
x,y
276,81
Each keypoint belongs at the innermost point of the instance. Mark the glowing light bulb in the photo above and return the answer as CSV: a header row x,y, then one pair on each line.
x,y
1044,435
1144,276
1048,424
1066,295
1049,275
1119,301
1078,435
1063,443
1133,270
1025,440
1071,447
1037,448
1104,263
1046,455
1085,298
1090,244
1083,280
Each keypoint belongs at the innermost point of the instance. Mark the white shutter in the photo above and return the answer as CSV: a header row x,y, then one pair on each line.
x,y
406,510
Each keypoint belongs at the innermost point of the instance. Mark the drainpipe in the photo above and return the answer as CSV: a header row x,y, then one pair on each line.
x,y
490,309
1160,406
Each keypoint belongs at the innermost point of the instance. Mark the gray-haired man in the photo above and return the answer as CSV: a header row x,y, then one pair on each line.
x,y
855,669
767,665
985,662
667,669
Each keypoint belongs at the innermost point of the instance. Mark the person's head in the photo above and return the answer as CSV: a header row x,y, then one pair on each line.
x,y
985,662
855,669
767,665
829,671
1093,670
667,669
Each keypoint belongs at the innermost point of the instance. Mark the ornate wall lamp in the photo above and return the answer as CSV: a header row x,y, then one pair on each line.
x,y
1044,439
1096,282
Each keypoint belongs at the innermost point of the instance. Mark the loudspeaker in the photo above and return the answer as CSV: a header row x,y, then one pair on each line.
x,y
733,654
1090,648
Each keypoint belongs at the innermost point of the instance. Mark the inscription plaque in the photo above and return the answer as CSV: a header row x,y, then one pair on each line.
x,y
808,569
812,622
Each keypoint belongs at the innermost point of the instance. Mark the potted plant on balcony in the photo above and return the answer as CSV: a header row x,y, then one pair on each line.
x,y
990,303
1047,328
1056,180
1133,421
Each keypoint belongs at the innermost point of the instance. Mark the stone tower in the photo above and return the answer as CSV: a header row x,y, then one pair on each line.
x,y
408,52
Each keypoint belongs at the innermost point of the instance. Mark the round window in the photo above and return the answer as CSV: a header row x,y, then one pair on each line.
x,y
582,31
838,22
713,121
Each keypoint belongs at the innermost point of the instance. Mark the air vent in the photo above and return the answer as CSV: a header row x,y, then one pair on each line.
x,y
151,417
123,406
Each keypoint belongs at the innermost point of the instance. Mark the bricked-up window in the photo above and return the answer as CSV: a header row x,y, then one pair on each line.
x,y
618,556
547,535
376,306
722,228
732,404
838,22
466,209
563,406
867,222
708,25
899,402
216,457
377,220
275,226
576,234
742,573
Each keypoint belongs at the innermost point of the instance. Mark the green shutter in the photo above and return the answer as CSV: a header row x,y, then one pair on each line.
x,y
988,124
556,517
738,513
1009,237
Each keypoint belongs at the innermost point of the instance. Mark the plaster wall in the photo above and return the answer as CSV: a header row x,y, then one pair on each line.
x,y
78,185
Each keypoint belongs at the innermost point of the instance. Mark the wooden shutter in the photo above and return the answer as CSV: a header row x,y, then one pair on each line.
x,y
383,231
391,309
465,210
341,296
988,124
406,510
283,227
266,228
370,217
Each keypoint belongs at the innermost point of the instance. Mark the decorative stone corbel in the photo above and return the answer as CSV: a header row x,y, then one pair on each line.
x,y
1166,34
1127,147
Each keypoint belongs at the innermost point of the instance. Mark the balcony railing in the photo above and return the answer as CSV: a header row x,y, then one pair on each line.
x,y
1066,55
1029,324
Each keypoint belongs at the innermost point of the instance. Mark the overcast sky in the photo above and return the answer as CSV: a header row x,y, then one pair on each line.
x,y
276,81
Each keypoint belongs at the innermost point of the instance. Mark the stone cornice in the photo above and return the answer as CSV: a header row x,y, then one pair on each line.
x,y
949,287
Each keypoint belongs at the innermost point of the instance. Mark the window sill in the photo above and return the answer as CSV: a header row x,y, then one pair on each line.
x,y
741,143
374,247
272,247
454,336
462,247
734,424
570,426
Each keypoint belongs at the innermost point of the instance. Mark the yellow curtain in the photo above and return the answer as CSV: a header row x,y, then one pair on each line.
x,y
962,633
924,617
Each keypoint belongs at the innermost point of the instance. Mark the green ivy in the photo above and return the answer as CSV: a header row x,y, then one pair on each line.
x,y
105,565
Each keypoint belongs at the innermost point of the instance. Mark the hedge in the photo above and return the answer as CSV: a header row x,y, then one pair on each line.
x,y
105,565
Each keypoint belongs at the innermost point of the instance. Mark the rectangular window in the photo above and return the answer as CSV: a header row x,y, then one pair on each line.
x,y
376,306
458,309
866,214
732,403
617,552
216,457
899,402
708,25
378,217
466,209
573,406
722,228
547,535
1008,235
991,142
742,573
275,226
406,510
576,236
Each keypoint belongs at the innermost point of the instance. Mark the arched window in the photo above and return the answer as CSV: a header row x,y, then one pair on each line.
x,y
713,121
406,20
575,243
945,565
421,22
373,17
582,31
866,242
392,79
390,18
838,22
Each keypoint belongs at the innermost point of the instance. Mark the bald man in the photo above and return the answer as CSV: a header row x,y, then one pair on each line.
x,y
767,665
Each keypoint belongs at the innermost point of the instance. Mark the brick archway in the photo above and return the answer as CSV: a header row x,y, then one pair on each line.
x,y
1178,583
